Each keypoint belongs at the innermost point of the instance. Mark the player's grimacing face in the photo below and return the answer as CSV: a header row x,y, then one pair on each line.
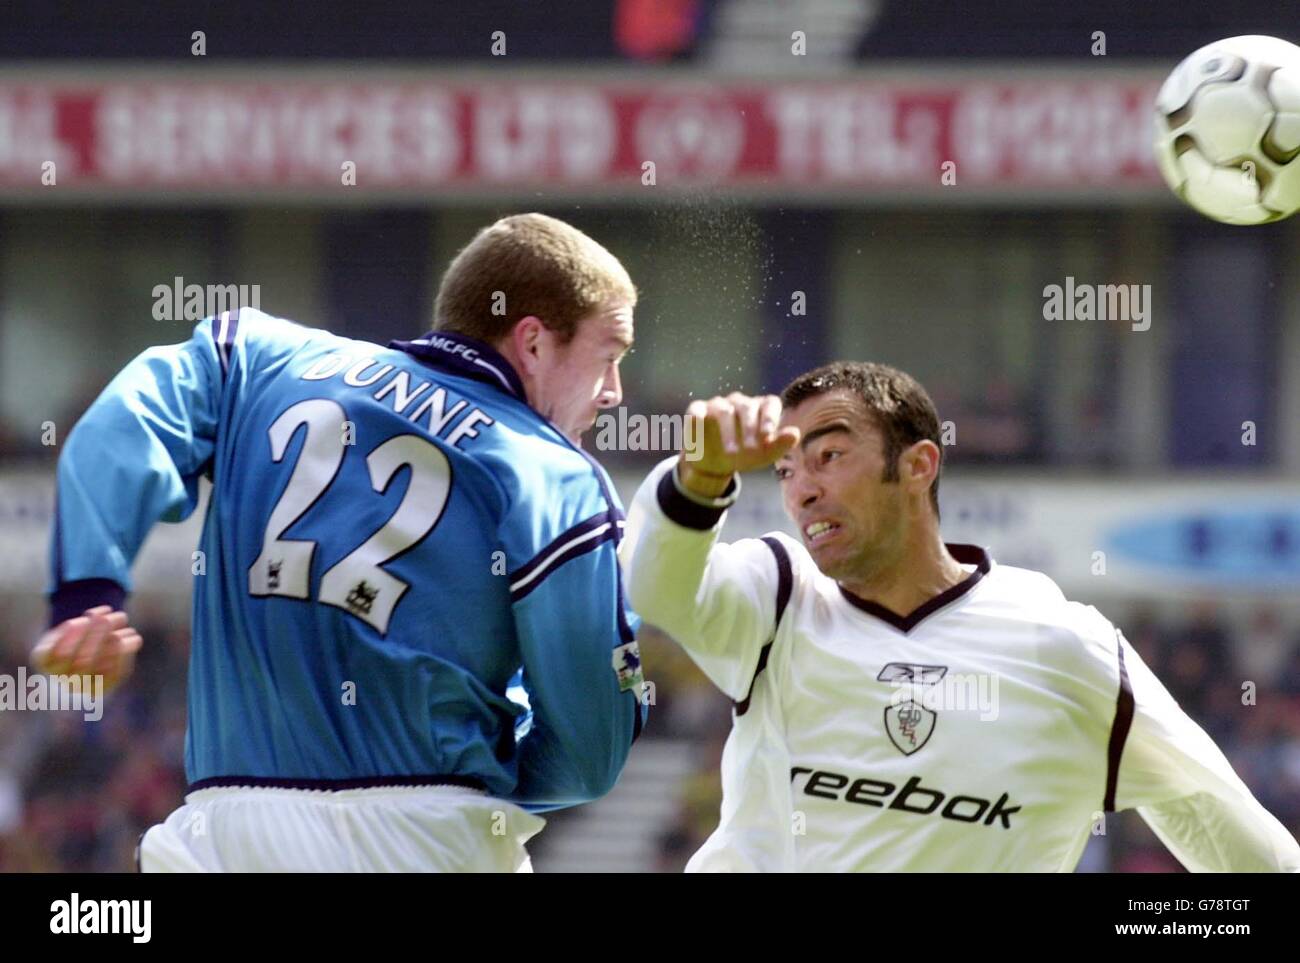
x,y
583,375
833,489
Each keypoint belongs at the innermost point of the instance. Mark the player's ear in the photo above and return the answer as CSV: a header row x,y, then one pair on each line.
x,y
527,338
919,464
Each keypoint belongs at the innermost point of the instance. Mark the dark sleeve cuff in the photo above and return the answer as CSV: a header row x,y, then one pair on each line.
x,y
71,599
686,512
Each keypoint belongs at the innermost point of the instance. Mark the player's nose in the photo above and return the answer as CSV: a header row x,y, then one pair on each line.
x,y
611,391
804,489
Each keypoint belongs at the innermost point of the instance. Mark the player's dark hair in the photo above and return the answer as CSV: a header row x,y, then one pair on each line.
x,y
900,407
528,264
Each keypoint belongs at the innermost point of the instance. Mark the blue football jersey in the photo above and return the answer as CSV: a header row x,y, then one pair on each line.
x,y
393,535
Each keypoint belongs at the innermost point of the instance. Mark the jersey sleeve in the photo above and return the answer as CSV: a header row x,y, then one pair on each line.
x,y
577,638
133,459
1165,766
136,455
717,600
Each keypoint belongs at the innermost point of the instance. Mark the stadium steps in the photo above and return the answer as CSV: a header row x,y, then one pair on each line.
x,y
620,833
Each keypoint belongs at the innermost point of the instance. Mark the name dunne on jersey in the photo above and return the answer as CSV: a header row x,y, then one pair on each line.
x,y
912,798
393,386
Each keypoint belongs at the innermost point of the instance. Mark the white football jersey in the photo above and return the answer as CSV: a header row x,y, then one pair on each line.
x,y
989,730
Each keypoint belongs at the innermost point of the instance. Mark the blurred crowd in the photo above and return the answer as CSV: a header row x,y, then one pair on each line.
x,y
76,795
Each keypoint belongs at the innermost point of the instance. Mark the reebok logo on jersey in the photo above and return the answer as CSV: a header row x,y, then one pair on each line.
x,y
912,798
899,672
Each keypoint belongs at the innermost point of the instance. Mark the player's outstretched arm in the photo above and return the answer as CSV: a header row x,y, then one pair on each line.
x,y
1187,792
134,458
717,600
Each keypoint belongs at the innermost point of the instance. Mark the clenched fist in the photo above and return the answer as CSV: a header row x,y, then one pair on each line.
x,y
737,433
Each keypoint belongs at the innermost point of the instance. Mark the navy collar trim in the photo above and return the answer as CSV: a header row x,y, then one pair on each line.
x,y
965,555
466,356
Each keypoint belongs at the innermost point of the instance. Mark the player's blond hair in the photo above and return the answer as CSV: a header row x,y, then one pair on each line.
x,y
528,264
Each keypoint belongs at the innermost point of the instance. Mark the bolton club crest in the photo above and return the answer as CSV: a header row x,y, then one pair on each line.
x,y
909,725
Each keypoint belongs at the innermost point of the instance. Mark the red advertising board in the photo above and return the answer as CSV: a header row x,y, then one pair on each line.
x,y
981,134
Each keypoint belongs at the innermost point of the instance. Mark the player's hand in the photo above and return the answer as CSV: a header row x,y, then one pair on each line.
x,y
737,433
100,642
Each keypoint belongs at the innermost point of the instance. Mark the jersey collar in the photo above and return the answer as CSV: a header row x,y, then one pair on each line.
x,y
466,356
964,555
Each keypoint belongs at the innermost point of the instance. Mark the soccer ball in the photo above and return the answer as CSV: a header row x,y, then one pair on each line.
x,y
1228,130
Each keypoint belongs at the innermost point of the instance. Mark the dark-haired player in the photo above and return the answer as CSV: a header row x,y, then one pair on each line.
x,y
902,703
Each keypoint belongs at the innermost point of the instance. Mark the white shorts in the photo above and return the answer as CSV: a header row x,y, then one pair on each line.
x,y
432,829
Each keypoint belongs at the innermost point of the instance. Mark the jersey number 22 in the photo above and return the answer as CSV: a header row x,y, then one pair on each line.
x,y
357,583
